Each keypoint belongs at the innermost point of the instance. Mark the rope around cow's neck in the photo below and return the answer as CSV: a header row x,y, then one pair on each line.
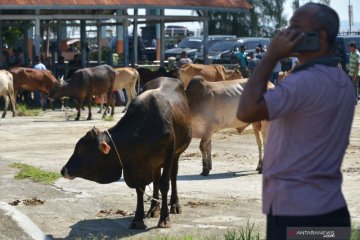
x,y
112,141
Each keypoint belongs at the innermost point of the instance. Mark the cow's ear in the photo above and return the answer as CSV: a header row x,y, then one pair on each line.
x,y
104,147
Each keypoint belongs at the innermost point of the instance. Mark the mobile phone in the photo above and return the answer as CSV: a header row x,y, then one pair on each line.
x,y
311,42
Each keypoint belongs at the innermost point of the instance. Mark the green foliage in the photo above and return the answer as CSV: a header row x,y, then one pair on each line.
x,y
12,35
35,174
23,110
262,20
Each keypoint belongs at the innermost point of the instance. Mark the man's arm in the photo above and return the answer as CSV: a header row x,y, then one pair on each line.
x,y
252,106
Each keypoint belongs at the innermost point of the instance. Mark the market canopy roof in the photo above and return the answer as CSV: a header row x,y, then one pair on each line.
x,y
228,5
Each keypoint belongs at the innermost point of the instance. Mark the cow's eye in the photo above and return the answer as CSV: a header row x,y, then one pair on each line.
x,y
81,150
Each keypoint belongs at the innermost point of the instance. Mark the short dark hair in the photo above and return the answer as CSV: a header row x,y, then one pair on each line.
x,y
352,44
326,19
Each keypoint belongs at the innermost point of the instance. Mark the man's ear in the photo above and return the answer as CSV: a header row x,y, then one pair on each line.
x,y
104,147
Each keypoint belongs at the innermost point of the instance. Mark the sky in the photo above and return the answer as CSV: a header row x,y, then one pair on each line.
x,y
340,6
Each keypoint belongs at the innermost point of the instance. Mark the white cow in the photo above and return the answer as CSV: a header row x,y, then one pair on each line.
x,y
7,91
213,107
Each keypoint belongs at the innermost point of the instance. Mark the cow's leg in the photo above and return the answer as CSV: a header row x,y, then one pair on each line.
x,y
138,222
175,206
205,148
12,101
6,98
154,210
259,141
164,221
78,107
89,107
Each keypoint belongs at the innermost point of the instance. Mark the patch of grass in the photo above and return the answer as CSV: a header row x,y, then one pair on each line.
x,y
246,233
108,118
35,174
24,110
355,234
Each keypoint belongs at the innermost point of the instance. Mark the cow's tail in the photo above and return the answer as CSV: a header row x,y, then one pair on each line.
x,y
138,83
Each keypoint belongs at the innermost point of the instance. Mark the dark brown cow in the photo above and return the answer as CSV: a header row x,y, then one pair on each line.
x,y
86,83
147,75
213,107
153,133
211,73
33,80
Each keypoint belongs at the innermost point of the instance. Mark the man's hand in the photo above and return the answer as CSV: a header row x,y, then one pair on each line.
x,y
282,44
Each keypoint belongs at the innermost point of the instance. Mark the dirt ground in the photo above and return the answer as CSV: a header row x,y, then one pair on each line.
x,y
228,198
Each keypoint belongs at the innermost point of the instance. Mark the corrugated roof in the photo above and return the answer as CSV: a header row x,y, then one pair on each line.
x,y
183,4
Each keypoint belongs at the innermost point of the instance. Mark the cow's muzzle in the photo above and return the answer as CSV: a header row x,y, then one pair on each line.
x,y
65,173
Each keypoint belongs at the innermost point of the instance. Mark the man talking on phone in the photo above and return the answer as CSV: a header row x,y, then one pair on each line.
x,y
310,113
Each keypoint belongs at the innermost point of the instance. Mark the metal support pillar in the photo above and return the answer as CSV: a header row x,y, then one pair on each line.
x,y
206,37
37,34
126,40
83,42
1,44
135,35
162,38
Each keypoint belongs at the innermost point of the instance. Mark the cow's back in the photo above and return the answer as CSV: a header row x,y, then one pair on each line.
x,y
96,80
126,77
213,105
6,82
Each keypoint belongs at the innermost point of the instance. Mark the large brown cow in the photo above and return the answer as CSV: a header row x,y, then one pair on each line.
x,y
7,91
211,73
84,84
33,80
153,133
213,107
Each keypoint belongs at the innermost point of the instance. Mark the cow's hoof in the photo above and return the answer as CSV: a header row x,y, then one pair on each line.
x,y
205,172
99,111
89,118
77,119
164,224
176,209
259,170
154,212
137,225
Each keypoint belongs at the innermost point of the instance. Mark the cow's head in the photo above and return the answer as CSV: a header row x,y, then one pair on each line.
x,y
56,91
93,159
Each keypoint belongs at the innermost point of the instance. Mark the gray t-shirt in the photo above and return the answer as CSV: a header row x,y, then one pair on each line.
x,y
310,113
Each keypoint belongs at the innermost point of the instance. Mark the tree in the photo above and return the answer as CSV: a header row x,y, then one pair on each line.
x,y
261,20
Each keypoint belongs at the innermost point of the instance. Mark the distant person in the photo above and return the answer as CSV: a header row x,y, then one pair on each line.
x,y
258,53
39,98
310,114
252,62
61,67
241,56
183,60
354,68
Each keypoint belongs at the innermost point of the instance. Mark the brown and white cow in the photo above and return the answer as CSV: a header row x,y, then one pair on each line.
x,y
213,107
211,73
33,80
84,84
7,91
151,135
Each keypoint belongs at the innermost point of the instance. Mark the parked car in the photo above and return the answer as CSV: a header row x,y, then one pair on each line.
x,y
193,45
225,51
174,30
341,48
